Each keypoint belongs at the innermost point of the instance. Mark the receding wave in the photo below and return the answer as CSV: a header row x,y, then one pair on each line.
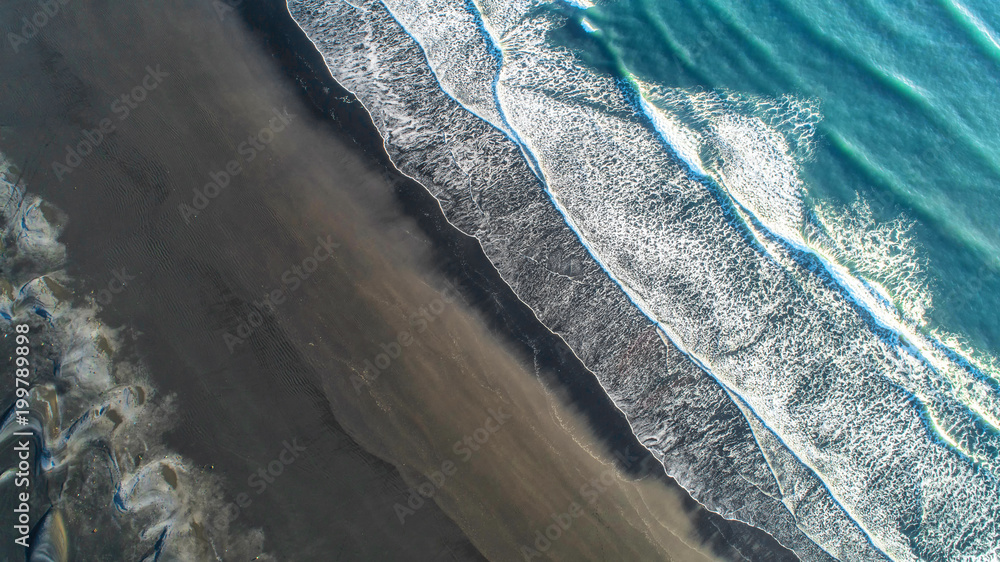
x,y
846,426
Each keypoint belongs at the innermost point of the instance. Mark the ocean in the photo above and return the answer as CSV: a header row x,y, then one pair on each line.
x,y
465,280
209,263
788,209
896,103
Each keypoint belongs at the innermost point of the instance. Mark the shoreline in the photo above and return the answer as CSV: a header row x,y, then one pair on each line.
x,y
193,278
169,288
462,256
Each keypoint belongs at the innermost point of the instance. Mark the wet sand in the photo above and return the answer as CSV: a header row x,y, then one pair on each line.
x,y
192,282
455,410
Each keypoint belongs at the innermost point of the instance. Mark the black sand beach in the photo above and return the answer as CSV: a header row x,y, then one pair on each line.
x,y
272,313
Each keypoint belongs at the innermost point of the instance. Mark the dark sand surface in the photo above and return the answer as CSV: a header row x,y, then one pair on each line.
x,y
295,376
193,281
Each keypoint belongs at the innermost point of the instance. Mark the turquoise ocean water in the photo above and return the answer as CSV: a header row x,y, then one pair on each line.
x,y
801,201
900,100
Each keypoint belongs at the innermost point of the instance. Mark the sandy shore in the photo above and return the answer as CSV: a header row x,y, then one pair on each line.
x,y
336,356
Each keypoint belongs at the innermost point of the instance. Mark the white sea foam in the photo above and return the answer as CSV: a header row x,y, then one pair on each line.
x,y
452,38
751,159
819,357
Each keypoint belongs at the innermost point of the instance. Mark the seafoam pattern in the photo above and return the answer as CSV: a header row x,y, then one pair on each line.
x,y
767,325
871,418
488,191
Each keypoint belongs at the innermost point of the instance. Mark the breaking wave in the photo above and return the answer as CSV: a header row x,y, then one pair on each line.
x,y
803,383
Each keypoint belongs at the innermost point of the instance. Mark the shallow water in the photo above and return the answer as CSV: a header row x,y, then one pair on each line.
x,y
212,309
813,305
